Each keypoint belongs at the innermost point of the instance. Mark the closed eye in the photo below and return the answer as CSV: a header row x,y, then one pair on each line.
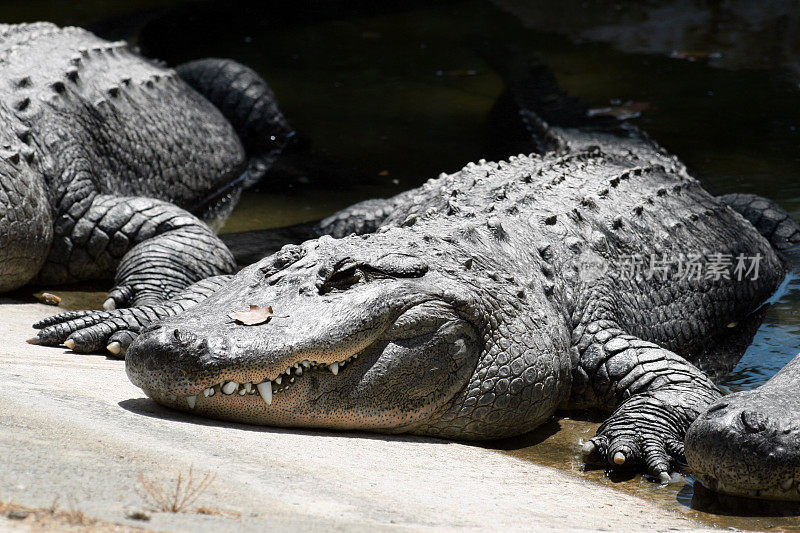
x,y
342,279
349,272
346,276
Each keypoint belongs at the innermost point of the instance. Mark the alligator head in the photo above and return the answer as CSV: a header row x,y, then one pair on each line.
x,y
364,335
748,443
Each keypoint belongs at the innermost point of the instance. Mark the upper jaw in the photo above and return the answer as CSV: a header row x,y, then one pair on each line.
x,y
189,353
265,389
189,367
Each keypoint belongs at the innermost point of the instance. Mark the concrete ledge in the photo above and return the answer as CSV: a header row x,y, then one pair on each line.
x,y
74,428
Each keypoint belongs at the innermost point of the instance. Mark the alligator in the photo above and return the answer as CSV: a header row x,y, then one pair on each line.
x,y
477,305
748,443
105,155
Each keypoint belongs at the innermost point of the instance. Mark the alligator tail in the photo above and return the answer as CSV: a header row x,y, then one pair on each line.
x,y
770,219
248,103
545,110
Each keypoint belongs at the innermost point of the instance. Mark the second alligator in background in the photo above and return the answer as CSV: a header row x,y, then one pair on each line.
x,y
105,154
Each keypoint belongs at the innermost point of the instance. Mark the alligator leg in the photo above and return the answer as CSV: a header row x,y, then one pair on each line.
x,y
248,103
657,395
770,219
156,248
26,226
90,331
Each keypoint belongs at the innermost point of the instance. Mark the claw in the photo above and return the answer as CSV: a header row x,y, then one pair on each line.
x,y
34,340
664,478
109,304
70,343
114,348
588,447
619,458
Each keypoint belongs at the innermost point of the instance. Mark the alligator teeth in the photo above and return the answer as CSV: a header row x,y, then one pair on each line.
x,y
265,390
191,400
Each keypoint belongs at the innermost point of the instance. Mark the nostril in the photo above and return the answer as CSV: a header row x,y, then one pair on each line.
x,y
203,347
184,338
753,422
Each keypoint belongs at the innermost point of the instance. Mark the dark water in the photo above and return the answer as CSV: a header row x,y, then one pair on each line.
x,y
391,94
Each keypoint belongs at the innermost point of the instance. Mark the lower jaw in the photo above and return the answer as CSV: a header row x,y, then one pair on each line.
x,y
784,491
286,412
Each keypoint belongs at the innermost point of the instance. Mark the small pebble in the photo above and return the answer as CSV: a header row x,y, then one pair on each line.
x,y
137,514
17,515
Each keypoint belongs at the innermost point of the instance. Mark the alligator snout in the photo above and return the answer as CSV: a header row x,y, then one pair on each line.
x,y
746,445
173,359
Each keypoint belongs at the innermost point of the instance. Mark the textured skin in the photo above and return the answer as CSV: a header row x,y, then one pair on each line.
x,y
102,152
469,308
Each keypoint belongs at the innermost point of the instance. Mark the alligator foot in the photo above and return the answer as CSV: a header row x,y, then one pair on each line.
x,y
114,330
91,331
646,432
657,395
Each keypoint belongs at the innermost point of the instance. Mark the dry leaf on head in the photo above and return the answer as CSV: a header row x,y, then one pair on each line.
x,y
256,315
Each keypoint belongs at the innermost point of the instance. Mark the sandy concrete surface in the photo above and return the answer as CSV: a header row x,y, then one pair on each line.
x,y
75,430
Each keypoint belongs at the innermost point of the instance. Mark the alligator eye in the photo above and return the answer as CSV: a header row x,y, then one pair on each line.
x,y
344,275
348,272
400,265
342,279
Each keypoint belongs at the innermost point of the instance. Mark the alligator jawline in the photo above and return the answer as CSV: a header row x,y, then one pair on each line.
x,y
267,388
780,491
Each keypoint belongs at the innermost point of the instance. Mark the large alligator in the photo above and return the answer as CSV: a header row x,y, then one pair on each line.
x,y
102,152
478,304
